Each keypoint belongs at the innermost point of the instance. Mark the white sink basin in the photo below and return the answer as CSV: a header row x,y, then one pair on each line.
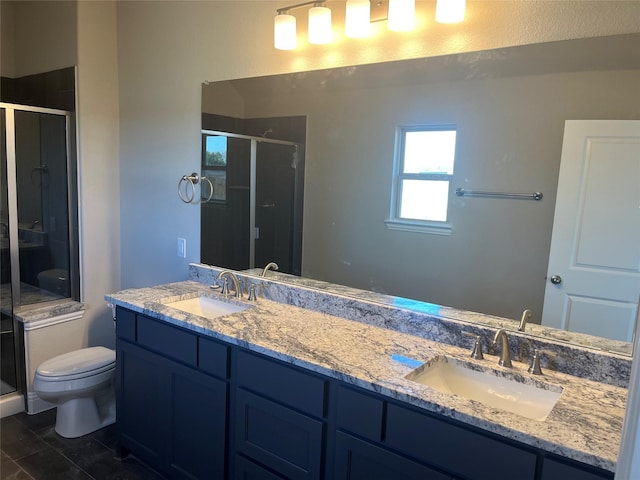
x,y
206,307
504,390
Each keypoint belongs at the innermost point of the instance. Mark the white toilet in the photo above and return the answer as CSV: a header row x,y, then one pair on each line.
x,y
81,384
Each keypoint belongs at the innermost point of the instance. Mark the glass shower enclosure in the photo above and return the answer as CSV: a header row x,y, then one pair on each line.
x,y
38,253
254,214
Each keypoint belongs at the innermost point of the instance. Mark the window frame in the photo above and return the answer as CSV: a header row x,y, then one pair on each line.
x,y
395,221
220,168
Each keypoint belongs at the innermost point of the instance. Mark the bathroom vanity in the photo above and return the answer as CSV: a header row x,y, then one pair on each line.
x,y
277,391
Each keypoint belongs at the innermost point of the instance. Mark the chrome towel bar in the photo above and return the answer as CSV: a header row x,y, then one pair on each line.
x,y
463,192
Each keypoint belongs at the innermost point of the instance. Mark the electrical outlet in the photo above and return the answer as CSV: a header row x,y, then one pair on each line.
x,y
182,247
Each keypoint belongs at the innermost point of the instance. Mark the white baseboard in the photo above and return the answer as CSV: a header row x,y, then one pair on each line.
x,y
36,405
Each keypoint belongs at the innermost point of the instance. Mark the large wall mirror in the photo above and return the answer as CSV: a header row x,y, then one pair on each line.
x,y
509,107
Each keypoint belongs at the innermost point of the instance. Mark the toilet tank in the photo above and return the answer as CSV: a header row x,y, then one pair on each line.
x,y
49,331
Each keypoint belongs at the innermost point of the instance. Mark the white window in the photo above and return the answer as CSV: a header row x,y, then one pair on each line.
x,y
423,170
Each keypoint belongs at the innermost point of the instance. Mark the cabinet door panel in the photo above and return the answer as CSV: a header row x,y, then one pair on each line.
x,y
284,440
143,412
359,460
198,430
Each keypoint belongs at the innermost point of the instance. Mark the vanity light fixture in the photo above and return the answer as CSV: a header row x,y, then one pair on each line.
x,y
357,22
320,24
402,15
450,11
284,31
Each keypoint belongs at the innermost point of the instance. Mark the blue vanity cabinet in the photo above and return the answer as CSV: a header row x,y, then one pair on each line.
x,y
193,407
171,398
280,413
377,436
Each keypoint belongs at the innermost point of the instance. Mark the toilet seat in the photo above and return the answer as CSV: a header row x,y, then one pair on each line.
x,y
77,364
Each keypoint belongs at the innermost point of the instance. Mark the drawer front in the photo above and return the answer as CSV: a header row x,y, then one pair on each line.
x,y
125,324
359,460
286,441
455,449
553,470
282,383
167,340
213,357
360,413
247,470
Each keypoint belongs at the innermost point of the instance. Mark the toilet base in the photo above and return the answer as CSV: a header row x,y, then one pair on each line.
x,y
80,416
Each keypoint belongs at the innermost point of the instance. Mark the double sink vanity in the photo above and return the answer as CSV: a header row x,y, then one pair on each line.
x,y
304,382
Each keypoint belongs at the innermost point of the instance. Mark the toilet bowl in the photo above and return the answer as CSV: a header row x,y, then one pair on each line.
x,y
81,385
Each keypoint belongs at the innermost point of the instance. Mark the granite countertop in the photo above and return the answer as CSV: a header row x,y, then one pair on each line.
x,y
585,425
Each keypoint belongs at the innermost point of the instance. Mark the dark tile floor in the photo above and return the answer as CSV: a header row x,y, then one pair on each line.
x,y
31,450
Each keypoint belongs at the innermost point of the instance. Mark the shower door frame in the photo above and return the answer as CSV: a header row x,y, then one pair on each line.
x,y
12,204
253,234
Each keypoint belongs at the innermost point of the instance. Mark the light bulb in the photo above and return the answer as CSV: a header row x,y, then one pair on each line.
x,y
358,18
284,32
402,15
319,25
450,11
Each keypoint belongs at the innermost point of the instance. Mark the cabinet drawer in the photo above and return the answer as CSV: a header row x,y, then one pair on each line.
x,y
125,324
247,470
359,460
213,357
360,413
456,449
553,470
167,340
286,441
282,383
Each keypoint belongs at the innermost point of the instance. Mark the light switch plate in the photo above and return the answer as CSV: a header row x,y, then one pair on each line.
x,y
182,247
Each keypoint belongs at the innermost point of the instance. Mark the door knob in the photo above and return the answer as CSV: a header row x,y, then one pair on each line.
x,y
556,279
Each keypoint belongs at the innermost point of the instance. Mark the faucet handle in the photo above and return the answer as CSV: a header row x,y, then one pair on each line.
x,y
225,286
534,368
253,296
476,353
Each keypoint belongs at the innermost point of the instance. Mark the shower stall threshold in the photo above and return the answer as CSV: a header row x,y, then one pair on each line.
x,y
11,403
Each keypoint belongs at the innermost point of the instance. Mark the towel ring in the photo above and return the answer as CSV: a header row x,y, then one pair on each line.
x,y
190,180
188,196
203,178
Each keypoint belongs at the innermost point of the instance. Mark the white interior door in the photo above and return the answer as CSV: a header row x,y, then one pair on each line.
x,y
593,278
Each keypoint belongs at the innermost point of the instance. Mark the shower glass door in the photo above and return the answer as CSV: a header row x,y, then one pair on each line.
x,y
38,237
254,215
42,206
275,206
8,367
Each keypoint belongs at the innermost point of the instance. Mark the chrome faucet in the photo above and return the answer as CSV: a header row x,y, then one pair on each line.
x,y
234,280
505,356
526,315
270,266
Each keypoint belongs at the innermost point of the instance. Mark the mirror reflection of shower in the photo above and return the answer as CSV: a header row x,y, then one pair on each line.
x,y
255,213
